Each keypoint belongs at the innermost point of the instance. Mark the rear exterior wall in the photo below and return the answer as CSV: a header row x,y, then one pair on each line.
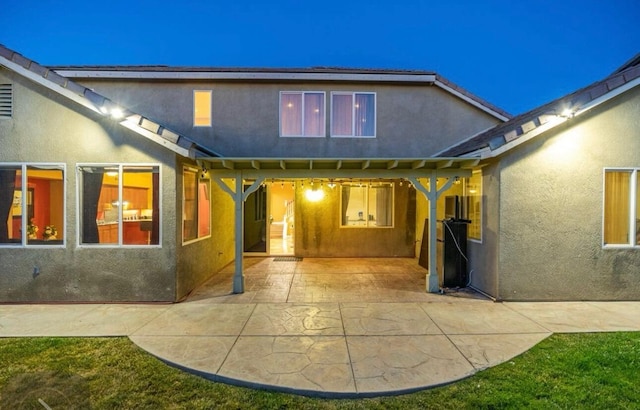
x,y
551,209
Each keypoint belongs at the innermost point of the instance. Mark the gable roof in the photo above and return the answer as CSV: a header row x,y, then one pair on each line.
x,y
101,105
333,74
523,127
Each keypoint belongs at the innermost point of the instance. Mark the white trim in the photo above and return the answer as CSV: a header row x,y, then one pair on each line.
x,y
247,75
131,124
471,101
302,94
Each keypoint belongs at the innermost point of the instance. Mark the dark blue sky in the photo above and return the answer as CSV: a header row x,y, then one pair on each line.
x,y
514,54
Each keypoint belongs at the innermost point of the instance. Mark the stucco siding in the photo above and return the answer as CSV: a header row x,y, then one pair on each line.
x,y
412,120
318,231
197,261
551,210
48,128
483,255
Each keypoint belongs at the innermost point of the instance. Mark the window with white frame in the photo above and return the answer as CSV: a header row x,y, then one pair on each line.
x,y
196,206
621,219
202,108
367,205
32,204
119,204
473,204
353,114
302,114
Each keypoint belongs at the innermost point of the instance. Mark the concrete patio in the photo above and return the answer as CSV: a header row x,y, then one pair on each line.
x,y
327,327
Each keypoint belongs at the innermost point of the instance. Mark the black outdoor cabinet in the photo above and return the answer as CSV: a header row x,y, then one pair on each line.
x,y
454,264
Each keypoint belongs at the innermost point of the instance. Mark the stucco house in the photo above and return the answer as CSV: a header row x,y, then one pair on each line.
x,y
137,183
561,197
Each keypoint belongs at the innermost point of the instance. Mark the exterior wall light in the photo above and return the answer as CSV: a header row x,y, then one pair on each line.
x,y
117,113
567,113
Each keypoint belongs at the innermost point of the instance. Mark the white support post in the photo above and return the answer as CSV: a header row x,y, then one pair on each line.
x,y
239,196
432,194
238,276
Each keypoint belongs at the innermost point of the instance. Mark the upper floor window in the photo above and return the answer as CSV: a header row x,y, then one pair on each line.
x,y
202,108
621,221
119,204
196,206
367,205
6,101
32,204
353,114
302,114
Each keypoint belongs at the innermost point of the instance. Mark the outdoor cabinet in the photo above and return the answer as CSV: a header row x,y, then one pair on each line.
x,y
454,262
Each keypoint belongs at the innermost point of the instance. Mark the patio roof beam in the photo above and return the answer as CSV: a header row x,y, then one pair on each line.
x,y
395,173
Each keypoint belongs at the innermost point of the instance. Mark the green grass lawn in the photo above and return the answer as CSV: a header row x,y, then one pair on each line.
x,y
599,371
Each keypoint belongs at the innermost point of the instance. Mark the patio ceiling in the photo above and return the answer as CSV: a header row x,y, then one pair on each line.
x,y
338,167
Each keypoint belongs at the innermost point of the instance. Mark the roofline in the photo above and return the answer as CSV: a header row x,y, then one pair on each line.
x,y
278,75
99,104
561,119
501,115
283,75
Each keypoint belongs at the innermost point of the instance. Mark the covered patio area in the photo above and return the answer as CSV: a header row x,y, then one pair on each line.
x,y
316,280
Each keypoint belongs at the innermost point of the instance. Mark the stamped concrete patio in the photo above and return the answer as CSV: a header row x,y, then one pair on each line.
x,y
327,327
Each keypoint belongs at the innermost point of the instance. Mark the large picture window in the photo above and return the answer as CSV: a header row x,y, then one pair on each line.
x,y
302,114
621,221
367,205
32,204
353,114
196,206
119,204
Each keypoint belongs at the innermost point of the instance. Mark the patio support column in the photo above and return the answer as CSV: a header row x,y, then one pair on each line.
x,y
432,193
238,276
239,197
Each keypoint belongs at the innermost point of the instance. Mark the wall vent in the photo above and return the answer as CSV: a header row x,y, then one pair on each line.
x,y
6,101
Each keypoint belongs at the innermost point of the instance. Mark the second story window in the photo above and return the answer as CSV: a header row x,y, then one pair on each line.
x,y
353,114
202,108
302,114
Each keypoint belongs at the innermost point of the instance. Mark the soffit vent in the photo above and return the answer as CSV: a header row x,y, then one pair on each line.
x,y
6,100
